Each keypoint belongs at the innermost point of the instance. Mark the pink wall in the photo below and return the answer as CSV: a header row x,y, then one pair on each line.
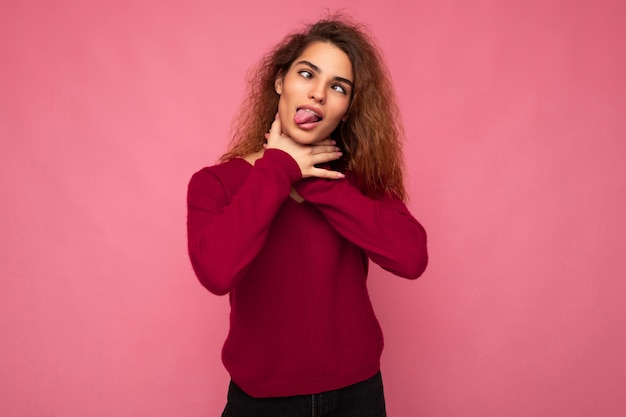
x,y
515,112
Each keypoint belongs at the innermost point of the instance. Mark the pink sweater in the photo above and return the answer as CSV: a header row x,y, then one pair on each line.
x,y
301,319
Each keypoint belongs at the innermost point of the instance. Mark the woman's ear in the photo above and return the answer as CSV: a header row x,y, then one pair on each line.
x,y
278,85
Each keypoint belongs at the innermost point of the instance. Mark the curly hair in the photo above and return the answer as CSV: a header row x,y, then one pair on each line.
x,y
370,137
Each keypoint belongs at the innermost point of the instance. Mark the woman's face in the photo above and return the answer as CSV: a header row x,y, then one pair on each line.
x,y
315,93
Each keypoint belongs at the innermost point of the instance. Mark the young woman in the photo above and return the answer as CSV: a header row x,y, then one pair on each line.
x,y
288,221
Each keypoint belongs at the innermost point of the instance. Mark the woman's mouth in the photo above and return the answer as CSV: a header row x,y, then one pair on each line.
x,y
306,116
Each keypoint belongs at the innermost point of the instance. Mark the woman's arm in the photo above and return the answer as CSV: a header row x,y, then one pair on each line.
x,y
225,234
384,228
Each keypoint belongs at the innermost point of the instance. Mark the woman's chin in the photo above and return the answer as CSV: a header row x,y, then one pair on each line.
x,y
304,137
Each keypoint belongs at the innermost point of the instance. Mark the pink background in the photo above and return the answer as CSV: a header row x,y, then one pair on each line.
x,y
515,113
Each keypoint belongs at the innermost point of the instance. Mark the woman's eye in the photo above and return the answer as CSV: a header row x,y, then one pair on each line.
x,y
306,74
339,89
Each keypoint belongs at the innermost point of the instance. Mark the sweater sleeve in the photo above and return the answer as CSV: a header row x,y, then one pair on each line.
x,y
383,228
226,232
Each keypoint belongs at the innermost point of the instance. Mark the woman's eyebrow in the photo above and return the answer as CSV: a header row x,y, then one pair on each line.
x,y
318,70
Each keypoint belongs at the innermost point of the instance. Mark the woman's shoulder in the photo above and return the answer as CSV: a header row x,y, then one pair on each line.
x,y
229,167
229,173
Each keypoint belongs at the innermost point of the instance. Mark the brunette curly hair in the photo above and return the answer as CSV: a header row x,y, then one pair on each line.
x,y
370,138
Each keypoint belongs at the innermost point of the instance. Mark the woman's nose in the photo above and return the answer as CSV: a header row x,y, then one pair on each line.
x,y
317,93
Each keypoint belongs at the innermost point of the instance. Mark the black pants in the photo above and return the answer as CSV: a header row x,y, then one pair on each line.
x,y
364,399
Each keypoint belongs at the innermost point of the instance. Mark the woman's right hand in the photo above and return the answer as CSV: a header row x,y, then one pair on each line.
x,y
306,156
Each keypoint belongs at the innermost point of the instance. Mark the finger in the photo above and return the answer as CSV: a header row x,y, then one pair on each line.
x,y
325,173
322,158
275,134
276,126
324,149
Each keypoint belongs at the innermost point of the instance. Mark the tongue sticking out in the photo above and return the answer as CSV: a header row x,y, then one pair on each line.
x,y
304,116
